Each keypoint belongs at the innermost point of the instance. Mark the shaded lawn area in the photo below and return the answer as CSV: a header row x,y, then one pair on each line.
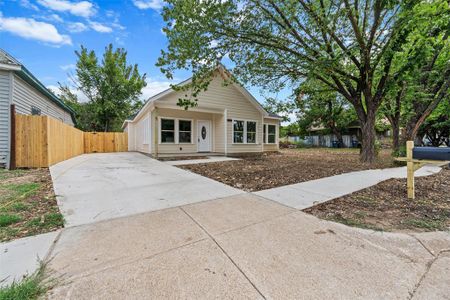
x,y
385,206
27,204
287,167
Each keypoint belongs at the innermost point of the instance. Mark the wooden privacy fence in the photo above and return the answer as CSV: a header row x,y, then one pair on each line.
x,y
41,141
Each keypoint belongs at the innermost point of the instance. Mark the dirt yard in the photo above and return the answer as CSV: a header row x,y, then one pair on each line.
x,y
27,204
385,206
287,167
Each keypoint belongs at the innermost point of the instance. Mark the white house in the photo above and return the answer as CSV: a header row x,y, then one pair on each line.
x,y
30,97
228,120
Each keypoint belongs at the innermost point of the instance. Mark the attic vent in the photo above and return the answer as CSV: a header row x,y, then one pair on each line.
x,y
35,111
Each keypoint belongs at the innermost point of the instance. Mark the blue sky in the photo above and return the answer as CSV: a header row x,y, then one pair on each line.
x,y
43,35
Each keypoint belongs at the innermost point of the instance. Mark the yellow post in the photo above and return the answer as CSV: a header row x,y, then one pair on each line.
x,y
410,169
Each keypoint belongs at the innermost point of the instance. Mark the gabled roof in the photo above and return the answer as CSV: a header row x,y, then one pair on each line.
x,y
8,62
225,73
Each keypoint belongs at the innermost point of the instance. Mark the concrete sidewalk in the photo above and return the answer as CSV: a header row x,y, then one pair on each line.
x,y
306,194
245,247
22,257
95,187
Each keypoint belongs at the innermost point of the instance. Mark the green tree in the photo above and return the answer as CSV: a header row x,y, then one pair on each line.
x,y
112,86
84,111
347,45
281,108
436,127
320,106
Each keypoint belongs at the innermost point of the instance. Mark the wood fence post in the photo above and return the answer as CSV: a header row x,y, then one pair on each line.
x,y
410,169
12,148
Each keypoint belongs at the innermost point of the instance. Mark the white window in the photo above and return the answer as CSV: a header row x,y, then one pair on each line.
x,y
270,134
167,131
244,132
184,131
175,131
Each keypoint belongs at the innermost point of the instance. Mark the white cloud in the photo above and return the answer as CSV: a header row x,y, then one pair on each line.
x,y
50,18
28,4
149,4
77,27
82,9
100,27
154,87
80,96
67,67
35,30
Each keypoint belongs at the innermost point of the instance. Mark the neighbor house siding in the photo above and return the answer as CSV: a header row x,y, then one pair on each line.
x,y
25,97
219,97
4,116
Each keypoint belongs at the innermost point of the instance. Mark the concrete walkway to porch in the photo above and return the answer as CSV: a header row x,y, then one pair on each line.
x,y
209,159
306,194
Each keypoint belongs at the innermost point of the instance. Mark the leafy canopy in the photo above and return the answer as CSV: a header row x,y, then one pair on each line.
x,y
111,85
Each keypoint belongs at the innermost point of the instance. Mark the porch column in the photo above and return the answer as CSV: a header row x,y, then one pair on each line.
x,y
225,117
155,133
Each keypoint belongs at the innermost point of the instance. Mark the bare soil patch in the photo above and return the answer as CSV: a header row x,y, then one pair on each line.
x,y
289,166
27,204
385,206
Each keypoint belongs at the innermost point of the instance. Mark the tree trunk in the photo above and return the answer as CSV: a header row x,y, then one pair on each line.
x,y
338,135
395,137
368,153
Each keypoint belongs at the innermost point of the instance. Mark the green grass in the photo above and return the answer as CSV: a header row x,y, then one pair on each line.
x,y
30,288
49,220
426,223
8,219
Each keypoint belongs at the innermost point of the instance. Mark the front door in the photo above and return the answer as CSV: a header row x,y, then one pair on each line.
x,y
204,136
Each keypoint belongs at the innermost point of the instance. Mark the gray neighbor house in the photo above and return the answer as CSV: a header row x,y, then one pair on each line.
x,y
30,97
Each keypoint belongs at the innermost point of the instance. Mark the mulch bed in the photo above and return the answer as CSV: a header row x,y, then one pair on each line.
x,y
385,206
27,204
289,166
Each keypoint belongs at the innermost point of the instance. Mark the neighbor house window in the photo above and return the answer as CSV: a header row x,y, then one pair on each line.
x,y
238,131
167,131
271,134
184,131
244,132
251,132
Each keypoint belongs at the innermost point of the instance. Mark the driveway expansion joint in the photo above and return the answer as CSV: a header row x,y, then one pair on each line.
x,y
425,273
226,254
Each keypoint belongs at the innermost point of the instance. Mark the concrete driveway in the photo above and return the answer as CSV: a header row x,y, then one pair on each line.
x,y
245,247
97,187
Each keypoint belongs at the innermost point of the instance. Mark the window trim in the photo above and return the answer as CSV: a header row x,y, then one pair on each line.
x,y
266,136
177,121
244,132
176,130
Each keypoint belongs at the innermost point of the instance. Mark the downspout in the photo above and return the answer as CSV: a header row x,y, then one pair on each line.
x,y
10,133
225,115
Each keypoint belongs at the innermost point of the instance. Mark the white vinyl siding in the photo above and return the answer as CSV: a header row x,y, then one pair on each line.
x,y
142,134
220,97
4,117
25,97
